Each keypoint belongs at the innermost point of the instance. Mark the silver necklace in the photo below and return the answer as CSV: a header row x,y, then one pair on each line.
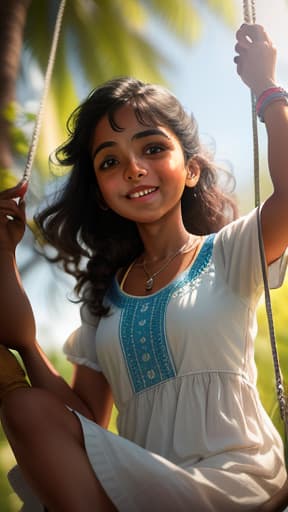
x,y
150,277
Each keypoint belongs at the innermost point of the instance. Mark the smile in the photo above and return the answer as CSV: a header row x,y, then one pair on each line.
x,y
142,193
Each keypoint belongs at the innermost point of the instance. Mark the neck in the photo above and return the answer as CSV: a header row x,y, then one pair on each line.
x,y
158,242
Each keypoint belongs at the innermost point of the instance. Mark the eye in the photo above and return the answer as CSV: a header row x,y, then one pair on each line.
x,y
154,149
108,162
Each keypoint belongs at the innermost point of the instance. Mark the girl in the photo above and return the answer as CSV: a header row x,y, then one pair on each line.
x,y
168,313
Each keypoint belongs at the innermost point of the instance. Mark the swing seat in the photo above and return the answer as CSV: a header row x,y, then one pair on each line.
x,y
278,502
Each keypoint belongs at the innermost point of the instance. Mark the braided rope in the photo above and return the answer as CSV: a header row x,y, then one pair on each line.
x,y
249,14
47,79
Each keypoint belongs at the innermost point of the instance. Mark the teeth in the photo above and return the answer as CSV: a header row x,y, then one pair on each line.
x,y
142,193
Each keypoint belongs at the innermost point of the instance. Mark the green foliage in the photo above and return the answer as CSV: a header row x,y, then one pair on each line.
x,y
225,9
8,500
7,179
266,381
18,120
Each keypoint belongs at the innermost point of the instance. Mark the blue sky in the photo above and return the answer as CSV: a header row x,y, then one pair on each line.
x,y
204,78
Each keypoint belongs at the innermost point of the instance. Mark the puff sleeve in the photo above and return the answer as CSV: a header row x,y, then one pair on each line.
x,y
80,347
238,258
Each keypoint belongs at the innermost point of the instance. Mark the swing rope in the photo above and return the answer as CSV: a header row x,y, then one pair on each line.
x,y
249,14
47,80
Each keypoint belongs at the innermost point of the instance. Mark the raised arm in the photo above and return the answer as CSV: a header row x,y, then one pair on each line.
x,y
256,66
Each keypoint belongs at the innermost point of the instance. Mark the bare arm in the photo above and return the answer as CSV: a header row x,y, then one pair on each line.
x,y
275,209
43,375
17,325
16,317
94,389
90,393
256,66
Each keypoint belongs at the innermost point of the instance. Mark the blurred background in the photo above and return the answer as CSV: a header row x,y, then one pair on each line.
x,y
187,45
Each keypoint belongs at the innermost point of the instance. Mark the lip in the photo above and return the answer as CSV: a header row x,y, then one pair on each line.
x,y
142,192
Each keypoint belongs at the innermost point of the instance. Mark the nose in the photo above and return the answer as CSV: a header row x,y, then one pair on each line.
x,y
134,170
138,175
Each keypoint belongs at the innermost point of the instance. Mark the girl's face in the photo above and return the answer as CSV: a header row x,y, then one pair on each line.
x,y
140,170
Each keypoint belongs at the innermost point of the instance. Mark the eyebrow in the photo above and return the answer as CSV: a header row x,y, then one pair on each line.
x,y
138,135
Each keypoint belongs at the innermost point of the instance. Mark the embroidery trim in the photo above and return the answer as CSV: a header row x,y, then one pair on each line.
x,y
142,327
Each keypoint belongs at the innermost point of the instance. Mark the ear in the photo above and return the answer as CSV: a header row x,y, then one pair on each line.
x,y
193,172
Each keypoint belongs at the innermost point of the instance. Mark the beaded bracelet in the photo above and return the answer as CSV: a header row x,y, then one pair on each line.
x,y
269,96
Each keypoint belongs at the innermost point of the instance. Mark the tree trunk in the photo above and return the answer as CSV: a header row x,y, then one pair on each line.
x,y
12,21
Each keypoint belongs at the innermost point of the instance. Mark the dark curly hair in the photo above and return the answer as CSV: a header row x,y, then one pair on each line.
x,y
91,243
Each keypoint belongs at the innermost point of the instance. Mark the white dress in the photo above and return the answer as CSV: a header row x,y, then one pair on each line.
x,y
193,434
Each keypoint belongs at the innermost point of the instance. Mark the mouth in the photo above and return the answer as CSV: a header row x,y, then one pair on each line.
x,y
142,193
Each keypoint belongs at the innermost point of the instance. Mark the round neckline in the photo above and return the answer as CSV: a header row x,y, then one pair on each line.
x,y
178,278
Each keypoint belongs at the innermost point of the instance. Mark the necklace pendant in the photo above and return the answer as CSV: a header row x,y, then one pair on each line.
x,y
149,284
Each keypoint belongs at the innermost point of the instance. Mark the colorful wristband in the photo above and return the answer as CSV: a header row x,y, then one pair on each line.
x,y
267,92
270,96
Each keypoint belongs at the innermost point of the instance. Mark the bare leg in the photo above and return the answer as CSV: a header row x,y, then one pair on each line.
x,y
47,441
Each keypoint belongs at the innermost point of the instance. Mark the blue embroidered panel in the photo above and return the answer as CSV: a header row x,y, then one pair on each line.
x,y
142,328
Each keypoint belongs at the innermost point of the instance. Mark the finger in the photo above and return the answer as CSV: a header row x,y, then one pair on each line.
x,y
237,61
251,32
22,209
22,204
11,209
11,217
257,33
242,40
238,48
18,191
23,187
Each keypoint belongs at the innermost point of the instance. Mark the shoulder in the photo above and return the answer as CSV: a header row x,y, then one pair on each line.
x,y
245,224
238,237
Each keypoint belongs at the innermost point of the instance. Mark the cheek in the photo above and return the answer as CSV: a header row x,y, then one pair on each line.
x,y
176,171
176,162
107,186
178,176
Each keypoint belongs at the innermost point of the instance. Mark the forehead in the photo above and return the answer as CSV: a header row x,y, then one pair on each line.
x,y
126,125
124,119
